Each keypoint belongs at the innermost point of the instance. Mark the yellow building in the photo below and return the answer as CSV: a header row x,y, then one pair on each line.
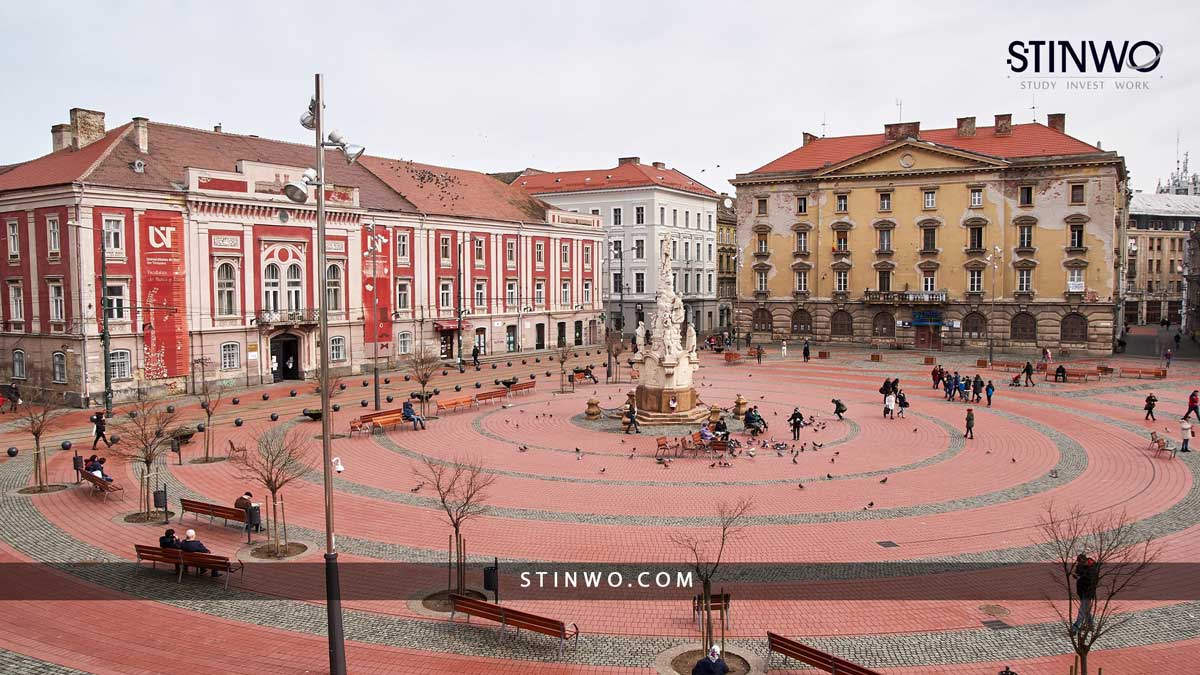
x,y
935,239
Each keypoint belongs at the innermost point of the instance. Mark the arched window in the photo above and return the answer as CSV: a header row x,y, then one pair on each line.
x,y
841,323
974,326
58,367
18,367
120,364
226,289
333,287
271,288
231,356
1074,328
404,343
295,287
1024,327
762,319
337,348
801,322
884,325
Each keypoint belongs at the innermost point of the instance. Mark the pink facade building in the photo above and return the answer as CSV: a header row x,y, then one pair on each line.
x,y
210,271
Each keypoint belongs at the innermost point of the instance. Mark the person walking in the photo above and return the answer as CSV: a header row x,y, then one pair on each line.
x,y
1178,337
1185,435
797,422
977,389
758,354
936,376
963,387
631,416
954,385
475,356
16,397
1168,356
991,389
1193,404
101,427
839,408
889,405
1151,401
970,433
901,403
806,352
783,349
1086,577
947,385
1029,374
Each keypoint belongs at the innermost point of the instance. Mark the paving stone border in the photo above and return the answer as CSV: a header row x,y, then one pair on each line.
x,y
12,663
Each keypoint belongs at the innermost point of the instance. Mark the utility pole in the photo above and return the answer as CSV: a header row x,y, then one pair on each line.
x,y
373,244
104,334
459,311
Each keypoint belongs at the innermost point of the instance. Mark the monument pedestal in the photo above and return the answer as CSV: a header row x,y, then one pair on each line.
x,y
662,380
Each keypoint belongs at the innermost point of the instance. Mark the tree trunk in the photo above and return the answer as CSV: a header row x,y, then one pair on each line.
x,y
207,434
707,605
459,571
1083,654
273,528
39,473
424,402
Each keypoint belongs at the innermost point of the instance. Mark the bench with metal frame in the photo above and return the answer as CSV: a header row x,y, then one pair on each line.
x,y
506,616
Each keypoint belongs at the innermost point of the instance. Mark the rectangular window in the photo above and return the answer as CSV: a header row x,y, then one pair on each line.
x,y
479,252
976,197
14,240
444,250
842,241
687,251
762,207
761,281
58,366
674,249
930,199
510,293
565,298
639,215
802,241
595,212
53,236
697,282
1075,280
1077,193
539,254
1024,280
1025,236
885,280
929,282
58,306
616,218
587,255
565,256
639,248
618,285
675,281
975,281
929,239
231,356
686,286
662,215
885,241
16,302
114,240
802,281
687,219
841,281
801,204
674,217
510,253
116,302
539,293
587,292
710,222
404,343
337,348
710,286
885,201
445,295
1025,195
975,238
402,245
843,203
1076,236
481,294
120,366
403,299
763,246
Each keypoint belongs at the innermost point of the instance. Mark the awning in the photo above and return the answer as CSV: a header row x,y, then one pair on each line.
x,y
450,325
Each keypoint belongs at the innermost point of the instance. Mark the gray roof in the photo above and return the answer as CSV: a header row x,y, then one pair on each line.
x,y
1152,204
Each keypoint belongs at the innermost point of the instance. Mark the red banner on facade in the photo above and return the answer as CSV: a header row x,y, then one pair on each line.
x,y
377,274
164,299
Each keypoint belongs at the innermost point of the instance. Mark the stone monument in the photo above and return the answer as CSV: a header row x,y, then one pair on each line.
x,y
667,362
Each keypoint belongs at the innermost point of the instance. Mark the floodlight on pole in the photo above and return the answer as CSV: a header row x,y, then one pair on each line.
x,y
297,190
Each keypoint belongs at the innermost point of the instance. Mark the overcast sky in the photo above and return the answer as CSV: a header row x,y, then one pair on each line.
x,y
712,89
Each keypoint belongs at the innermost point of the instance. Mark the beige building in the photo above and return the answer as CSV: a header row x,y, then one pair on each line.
x,y
944,238
726,261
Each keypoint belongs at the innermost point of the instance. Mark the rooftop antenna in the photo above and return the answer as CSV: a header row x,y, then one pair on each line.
x,y
1033,107
900,107
822,125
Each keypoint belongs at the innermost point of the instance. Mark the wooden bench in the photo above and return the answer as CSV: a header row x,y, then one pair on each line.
x,y
979,363
693,442
102,487
493,395
522,386
1007,365
506,616
1080,375
213,511
454,403
174,556
732,357
931,360
777,644
392,418
1139,373
662,445
877,357
716,602
1159,444
822,355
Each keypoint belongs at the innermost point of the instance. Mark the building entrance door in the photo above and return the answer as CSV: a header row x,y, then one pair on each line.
x,y
285,357
927,337
446,344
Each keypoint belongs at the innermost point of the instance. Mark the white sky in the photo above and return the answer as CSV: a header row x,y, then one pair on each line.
x,y
711,88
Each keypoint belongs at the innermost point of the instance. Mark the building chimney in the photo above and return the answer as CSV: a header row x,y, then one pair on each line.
x,y
141,133
87,127
809,138
1004,125
621,161
659,165
1057,122
894,132
60,136
217,128
966,127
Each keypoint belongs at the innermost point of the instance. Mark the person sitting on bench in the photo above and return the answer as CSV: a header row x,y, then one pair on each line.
x,y
245,504
754,422
706,434
192,545
721,430
1060,373
411,415
96,468
589,375
169,540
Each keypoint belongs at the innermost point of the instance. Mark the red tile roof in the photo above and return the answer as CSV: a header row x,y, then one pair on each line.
x,y
1027,140
58,168
456,192
622,176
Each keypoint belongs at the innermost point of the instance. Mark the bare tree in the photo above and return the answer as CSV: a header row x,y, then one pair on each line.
x,y
707,551
615,346
38,407
210,396
461,488
146,430
564,354
422,364
281,456
1123,560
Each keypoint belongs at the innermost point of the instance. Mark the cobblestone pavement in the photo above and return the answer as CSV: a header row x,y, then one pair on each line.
x,y
948,500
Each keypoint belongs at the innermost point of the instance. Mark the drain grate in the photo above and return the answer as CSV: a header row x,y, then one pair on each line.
x,y
995,624
888,544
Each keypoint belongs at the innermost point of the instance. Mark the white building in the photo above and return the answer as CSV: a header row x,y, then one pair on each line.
x,y
643,207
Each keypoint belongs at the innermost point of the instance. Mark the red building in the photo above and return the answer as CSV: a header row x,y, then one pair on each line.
x,y
210,271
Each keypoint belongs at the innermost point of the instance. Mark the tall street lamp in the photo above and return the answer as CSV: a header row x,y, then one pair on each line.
x,y
374,245
994,261
297,191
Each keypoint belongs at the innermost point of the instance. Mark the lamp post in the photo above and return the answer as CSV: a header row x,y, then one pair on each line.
x,y
374,244
459,309
297,191
994,260
105,338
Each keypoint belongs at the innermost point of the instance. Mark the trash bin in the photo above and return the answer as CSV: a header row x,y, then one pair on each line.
x,y
254,517
160,499
491,579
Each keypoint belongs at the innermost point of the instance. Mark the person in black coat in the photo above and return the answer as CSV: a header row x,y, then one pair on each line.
x,y
797,422
101,426
191,544
169,540
712,664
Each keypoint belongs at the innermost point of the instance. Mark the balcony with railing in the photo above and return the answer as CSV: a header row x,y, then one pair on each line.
x,y
286,317
906,297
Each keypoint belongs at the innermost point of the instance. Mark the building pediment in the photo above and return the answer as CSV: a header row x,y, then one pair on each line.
x,y
975,265
884,265
975,221
912,156
801,266
802,227
1025,264
761,228
929,265
1075,263
1077,219
841,266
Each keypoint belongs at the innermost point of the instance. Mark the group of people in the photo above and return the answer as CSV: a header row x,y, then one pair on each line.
x,y
718,431
189,544
95,466
964,387
894,399
10,397
754,422
1186,432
